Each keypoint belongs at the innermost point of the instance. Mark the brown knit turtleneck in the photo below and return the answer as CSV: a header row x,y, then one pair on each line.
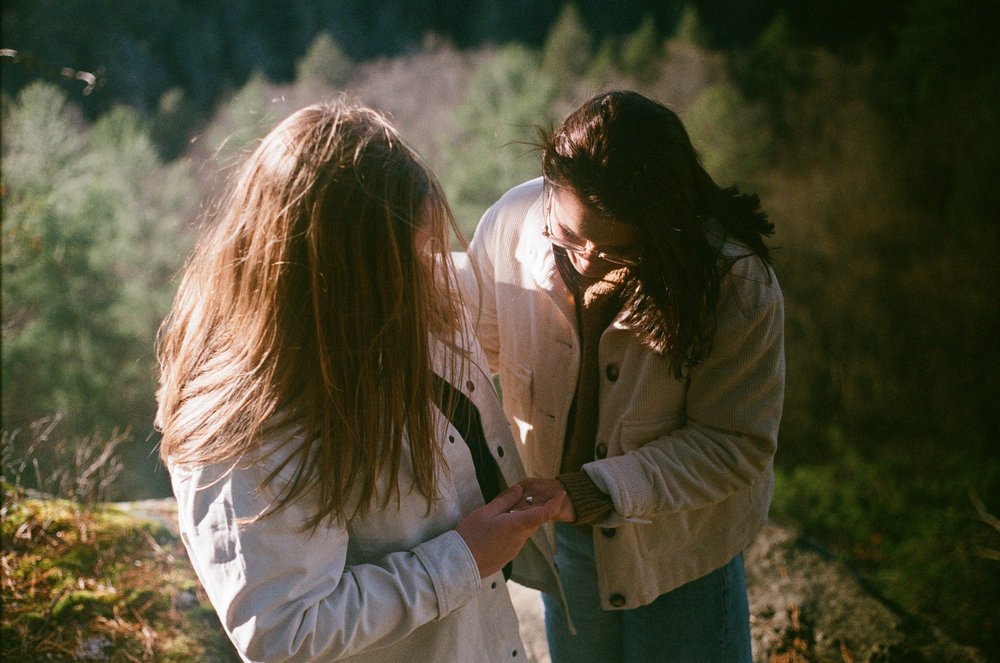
x,y
597,304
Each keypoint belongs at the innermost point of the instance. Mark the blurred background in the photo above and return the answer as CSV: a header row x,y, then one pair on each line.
x,y
871,131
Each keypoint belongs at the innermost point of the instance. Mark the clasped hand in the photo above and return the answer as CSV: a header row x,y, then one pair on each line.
x,y
496,532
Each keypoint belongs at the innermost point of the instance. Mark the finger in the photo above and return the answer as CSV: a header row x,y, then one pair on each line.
x,y
555,504
538,514
506,500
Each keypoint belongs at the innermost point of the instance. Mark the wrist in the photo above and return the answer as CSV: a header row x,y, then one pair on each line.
x,y
590,504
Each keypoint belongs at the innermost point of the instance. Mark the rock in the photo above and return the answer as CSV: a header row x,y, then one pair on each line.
x,y
805,606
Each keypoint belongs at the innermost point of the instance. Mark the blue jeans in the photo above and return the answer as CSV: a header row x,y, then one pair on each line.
x,y
705,621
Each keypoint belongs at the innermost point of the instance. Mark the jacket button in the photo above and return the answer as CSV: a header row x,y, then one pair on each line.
x,y
601,451
608,532
617,600
471,387
611,372
500,451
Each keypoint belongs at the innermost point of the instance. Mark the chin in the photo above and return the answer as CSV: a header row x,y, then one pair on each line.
x,y
592,272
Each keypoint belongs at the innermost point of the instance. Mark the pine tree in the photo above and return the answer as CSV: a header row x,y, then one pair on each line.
x,y
641,52
92,233
568,48
489,146
325,64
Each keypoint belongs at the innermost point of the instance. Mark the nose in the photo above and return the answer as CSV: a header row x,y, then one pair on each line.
x,y
586,265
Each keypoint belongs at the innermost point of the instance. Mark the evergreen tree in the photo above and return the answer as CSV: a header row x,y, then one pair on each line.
x,y
732,136
641,52
489,147
689,29
244,119
325,64
604,65
568,48
91,236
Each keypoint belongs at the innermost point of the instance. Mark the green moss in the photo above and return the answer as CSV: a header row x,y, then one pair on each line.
x,y
84,605
70,557
138,599
78,559
34,622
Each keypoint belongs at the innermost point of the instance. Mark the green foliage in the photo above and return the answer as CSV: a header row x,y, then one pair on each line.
x,y
904,518
641,52
92,233
488,149
604,65
689,29
568,48
324,64
173,121
243,120
773,69
947,87
731,135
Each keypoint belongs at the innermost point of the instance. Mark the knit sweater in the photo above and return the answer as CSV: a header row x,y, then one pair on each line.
x,y
597,304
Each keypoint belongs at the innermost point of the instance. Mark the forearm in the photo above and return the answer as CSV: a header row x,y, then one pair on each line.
x,y
366,606
690,469
729,438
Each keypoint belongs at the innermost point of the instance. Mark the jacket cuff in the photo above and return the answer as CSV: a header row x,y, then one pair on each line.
x,y
591,505
452,569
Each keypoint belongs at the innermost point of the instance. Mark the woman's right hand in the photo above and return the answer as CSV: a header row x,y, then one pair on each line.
x,y
495,533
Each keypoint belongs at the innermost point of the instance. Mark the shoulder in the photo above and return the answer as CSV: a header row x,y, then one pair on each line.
x,y
279,441
511,208
524,194
749,284
501,226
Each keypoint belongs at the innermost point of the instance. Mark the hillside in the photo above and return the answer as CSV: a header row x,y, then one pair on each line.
x,y
113,583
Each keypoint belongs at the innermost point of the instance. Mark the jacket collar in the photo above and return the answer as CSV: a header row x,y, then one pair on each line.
x,y
535,253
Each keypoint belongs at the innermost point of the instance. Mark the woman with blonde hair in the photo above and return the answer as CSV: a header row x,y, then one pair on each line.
x,y
340,460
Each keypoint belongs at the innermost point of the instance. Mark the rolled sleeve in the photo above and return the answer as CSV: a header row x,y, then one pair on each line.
x,y
452,570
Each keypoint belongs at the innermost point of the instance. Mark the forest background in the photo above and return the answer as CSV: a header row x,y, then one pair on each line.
x,y
871,131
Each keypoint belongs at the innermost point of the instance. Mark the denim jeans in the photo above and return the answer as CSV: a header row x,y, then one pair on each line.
x,y
704,621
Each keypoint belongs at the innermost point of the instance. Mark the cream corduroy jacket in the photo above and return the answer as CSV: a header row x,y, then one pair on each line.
x,y
687,463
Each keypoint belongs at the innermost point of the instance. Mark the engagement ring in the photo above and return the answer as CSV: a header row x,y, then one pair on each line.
x,y
529,499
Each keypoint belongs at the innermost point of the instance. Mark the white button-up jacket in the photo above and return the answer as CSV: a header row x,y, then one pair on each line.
x,y
398,584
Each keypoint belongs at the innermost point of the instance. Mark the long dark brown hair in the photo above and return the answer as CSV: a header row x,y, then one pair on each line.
x,y
311,301
630,159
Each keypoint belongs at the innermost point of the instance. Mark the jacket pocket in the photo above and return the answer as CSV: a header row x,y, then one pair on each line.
x,y
517,392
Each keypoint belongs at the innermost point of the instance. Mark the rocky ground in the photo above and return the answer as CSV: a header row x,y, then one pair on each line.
x,y
804,605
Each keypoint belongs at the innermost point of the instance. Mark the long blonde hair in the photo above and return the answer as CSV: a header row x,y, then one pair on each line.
x,y
309,301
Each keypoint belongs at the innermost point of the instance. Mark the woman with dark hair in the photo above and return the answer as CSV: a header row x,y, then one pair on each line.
x,y
631,312
330,435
